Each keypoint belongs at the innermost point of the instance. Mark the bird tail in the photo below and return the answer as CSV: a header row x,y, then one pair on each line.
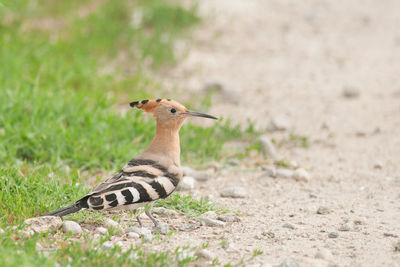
x,y
65,211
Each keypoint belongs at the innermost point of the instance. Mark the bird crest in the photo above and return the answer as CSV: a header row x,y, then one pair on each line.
x,y
149,105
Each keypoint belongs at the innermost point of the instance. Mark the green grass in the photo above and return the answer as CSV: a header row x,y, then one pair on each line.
x,y
67,68
24,252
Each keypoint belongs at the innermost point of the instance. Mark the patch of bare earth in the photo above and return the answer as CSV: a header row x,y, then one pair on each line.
x,y
331,69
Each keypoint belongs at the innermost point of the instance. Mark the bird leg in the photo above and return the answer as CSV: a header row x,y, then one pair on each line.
x,y
138,219
148,213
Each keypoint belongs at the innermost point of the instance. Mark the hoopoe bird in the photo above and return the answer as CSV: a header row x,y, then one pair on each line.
x,y
153,174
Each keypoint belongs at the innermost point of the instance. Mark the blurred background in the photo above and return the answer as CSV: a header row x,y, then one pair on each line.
x,y
318,78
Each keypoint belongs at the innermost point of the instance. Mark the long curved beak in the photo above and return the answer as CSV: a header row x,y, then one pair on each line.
x,y
198,114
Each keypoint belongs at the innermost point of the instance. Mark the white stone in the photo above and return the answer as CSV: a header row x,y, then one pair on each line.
x,y
71,227
211,222
268,147
199,175
284,173
133,235
43,224
205,254
349,226
187,183
1,231
210,214
108,223
107,245
162,228
234,192
301,175
279,123
101,230
289,262
165,212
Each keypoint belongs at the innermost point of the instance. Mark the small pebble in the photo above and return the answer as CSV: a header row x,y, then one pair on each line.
x,y
289,262
133,235
101,230
288,225
268,147
187,227
108,223
196,174
187,183
228,218
378,165
350,92
323,210
333,235
162,228
234,192
349,226
107,245
279,123
71,227
390,235
284,173
301,175
205,254
43,224
211,222
210,214
165,212
269,234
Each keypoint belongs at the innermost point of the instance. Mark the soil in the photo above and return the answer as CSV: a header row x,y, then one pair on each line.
x,y
295,59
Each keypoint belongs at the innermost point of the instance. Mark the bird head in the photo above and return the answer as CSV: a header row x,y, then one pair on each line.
x,y
168,113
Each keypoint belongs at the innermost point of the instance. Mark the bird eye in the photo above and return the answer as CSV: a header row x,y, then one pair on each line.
x,y
173,110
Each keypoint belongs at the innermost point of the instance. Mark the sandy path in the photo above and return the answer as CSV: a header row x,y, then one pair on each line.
x,y
295,58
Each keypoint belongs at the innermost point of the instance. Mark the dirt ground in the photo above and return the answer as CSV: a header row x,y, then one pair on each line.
x,y
295,59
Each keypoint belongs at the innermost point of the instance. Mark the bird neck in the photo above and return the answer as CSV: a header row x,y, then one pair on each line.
x,y
165,146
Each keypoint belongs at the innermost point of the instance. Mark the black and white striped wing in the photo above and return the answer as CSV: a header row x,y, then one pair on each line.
x,y
140,181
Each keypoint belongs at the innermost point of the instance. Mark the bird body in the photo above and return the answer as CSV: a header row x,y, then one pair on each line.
x,y
152,175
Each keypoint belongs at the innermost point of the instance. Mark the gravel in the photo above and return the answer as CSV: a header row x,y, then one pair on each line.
x,y
268,147
301,175
101,230
133,235
228,218
234,192
165,212
162,228
199,175
288,225
187,183
279,123
108,223
107,245
205,254
43,224
71,227
284,173
323,210
333,235
141,231
390,234
349,226
211,222
350,92
188,227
